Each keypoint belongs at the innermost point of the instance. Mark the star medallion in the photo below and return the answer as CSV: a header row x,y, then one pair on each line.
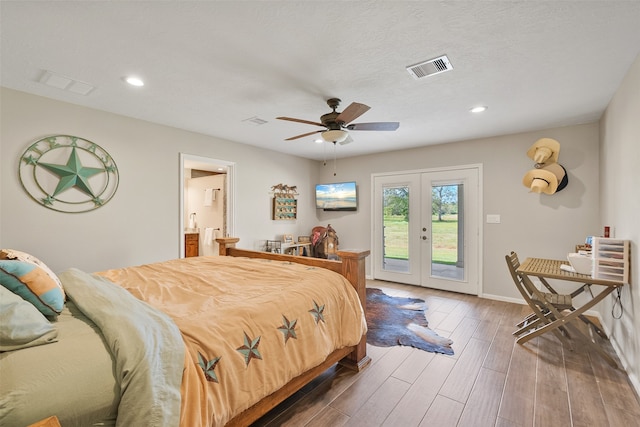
x,y
68,174
73,174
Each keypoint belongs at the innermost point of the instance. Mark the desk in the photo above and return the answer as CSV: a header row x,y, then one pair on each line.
x,y
550,269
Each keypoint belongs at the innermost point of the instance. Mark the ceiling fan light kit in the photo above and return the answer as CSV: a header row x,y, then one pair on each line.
x,y
337,124
335,135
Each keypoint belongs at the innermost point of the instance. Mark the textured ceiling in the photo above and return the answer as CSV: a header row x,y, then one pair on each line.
x,y
211,65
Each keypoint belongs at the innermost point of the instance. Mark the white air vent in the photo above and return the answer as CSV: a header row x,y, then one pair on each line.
x,y
255,120
59,81
431,67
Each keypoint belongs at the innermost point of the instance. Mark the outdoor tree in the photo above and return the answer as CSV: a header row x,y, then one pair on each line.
x,y
396,202
444,200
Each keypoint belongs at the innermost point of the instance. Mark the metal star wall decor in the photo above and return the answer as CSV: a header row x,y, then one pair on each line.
x,y
68,173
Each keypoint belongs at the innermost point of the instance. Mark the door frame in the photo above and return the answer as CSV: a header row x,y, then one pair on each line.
x,y
479,213
206,163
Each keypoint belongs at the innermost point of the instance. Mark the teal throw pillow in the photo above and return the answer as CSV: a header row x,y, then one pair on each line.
x,y
33,284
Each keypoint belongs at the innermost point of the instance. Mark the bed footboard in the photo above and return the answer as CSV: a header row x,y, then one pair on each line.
x,y
352,266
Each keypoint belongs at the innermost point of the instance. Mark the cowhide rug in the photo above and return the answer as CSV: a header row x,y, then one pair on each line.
x,y
401,321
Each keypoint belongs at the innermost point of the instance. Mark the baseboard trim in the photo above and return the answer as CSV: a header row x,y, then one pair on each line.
x,y
523,302
626,365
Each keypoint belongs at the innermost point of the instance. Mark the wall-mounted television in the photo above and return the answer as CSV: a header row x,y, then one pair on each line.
x,y
339,196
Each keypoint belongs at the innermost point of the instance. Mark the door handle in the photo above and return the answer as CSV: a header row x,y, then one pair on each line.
x,y
424,237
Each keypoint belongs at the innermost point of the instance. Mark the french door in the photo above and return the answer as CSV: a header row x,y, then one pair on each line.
x,y
426,228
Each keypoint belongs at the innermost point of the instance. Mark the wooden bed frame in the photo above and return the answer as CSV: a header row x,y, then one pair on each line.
x,y
352,267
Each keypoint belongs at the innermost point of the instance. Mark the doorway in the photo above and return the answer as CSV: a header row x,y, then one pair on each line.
x,y
426,228
206,202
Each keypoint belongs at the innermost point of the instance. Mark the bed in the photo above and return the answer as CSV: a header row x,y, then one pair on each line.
x,y
198,341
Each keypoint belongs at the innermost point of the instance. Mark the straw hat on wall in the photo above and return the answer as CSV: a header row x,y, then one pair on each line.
x,y
544,150
549,179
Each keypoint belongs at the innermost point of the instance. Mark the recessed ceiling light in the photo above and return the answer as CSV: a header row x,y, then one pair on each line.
x,y
318,141
134,81
479,109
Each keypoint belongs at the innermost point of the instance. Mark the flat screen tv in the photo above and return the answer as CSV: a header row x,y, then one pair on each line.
x,y
339,196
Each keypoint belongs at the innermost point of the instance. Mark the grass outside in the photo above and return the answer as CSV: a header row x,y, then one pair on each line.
x,y
444,234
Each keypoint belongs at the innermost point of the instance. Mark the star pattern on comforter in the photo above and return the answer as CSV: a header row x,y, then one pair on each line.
x,y
288,328
317,312
208,367
250,349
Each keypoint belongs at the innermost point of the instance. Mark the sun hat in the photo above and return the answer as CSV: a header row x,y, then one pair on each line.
x,y
549,179
544,150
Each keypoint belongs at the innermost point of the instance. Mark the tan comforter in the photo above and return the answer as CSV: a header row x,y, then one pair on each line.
x,y
249,325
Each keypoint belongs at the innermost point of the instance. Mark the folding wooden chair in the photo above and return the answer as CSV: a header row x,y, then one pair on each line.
x,y
560,301
552,312
546,307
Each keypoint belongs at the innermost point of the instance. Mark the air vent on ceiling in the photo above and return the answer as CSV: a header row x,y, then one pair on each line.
x,y
431,67
59,81
255,120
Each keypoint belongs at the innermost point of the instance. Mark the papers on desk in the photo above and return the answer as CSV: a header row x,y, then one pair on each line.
x,y
568,268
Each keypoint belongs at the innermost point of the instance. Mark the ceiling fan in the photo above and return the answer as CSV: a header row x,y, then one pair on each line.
x,y
336,124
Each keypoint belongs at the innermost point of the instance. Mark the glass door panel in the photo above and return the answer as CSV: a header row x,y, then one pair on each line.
x,y
395,228
447,232
450,249
396,224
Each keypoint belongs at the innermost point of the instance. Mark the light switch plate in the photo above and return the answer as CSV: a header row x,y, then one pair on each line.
x,y
493,219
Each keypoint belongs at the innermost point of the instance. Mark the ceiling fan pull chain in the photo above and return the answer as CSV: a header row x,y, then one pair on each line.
x,y
334,159
324,154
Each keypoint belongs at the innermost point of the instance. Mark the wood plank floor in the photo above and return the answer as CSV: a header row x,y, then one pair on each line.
x,y
489,381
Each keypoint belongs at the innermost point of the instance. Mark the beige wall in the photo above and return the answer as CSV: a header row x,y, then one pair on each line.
x,y
620,207
141,223
531,224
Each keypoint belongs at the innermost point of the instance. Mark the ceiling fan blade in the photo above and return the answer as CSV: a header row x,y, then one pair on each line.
x,y
374,126
352,112
303,135
300,121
